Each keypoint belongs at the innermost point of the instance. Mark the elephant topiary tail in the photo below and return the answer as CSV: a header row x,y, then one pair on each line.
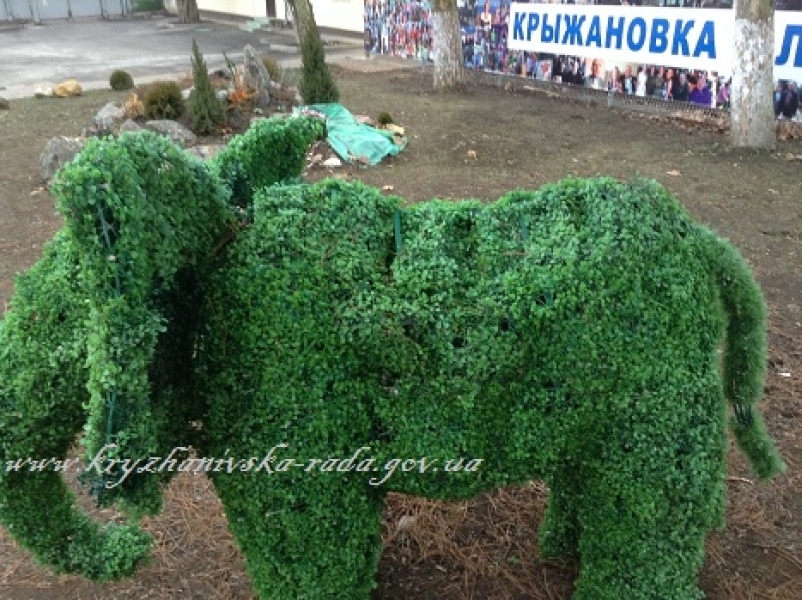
x,y
745,356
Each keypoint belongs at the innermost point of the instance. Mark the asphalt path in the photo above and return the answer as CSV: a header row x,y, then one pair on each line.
x,y
149,48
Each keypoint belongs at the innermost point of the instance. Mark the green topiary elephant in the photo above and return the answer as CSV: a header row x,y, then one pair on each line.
x,y
318,346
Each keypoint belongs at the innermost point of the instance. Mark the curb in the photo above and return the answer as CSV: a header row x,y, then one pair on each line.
x,y
387,63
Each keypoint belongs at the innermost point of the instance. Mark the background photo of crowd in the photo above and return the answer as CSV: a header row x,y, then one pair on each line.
x,y
403,28
398,28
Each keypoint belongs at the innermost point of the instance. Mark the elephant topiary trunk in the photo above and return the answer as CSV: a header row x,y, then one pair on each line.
x,y
318,346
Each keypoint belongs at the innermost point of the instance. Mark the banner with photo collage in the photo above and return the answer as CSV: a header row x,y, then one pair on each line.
x,y
589,40
399,27
404,28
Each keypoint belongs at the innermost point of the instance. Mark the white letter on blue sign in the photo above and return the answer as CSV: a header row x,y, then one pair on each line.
x,y
707,41
594,35
618,32
636,45
791,32
659,40
681,32
573,30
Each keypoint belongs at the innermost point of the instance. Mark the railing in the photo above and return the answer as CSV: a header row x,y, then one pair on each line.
x,y
646,104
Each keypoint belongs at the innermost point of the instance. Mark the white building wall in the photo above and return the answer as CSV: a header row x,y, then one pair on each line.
x,y
243,8
283,11
347,15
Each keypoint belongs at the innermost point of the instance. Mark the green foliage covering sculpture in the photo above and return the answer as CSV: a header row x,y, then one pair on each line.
x,y
568,334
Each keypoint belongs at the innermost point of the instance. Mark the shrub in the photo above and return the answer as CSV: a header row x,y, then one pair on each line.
x,y
130,224
43,375
133,108
163,100
317,84
100,340
121,81
384,118
273,68
205,109
290,77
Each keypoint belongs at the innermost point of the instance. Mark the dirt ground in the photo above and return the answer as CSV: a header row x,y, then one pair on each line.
x,y
481,144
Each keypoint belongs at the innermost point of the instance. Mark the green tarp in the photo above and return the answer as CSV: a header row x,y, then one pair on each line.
x,y
352,140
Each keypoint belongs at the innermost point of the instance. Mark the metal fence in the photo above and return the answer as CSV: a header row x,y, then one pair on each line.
x,y
643,104
37,10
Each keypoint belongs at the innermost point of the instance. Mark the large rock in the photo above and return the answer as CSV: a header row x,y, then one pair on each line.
x,y
206,152
107,115
57,153
68,89
129,126
4,104
789,130
175,131
43,90
257,77
94,131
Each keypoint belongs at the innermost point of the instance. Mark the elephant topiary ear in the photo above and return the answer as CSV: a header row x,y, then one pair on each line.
x,y
144,217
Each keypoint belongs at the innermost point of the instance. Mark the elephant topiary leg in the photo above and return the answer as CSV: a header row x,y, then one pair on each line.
x,y
559,532
312,536
649,501
626,555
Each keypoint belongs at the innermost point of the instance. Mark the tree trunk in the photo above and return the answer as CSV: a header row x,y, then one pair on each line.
x,y
34,12
188,11
449,67
753,123
294,18
302,18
